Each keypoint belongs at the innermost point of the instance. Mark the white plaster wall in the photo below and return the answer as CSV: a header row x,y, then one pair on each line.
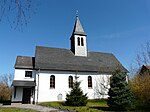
x,y
61,85
80,50
19,93
20,75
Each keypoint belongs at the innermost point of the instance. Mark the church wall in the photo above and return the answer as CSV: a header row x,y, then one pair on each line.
x,y
45,93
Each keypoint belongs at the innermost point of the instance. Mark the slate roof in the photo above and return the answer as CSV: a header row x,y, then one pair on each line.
x,y
78,29
63,59
25,62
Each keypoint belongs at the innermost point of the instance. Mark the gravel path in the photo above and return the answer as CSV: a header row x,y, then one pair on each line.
x,y
35,107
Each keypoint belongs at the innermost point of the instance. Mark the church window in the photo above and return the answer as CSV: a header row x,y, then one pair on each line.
x,y
28,73
70,81
78,41
82,43
89,82
52,81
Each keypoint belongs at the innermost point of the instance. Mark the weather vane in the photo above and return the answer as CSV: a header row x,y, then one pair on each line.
x,y
76,12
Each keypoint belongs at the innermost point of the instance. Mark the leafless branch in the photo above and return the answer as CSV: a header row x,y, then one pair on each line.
x,y
17,12
102,86
143,57
6,79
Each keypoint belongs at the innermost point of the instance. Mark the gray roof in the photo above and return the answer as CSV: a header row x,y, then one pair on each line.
x,y
25,62
63,59
78,29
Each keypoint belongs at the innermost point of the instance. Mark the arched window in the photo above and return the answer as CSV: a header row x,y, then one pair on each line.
x,y
78,41
70,81
82,43
89,82
52,81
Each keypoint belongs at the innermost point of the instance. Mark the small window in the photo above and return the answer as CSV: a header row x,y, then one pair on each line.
x,y
70,82
82,43
89,82
28,74
78,41
52,81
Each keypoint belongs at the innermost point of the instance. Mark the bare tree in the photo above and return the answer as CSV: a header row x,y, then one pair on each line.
x,y
143,58
5,87
139,82
6,79
16,12
102,86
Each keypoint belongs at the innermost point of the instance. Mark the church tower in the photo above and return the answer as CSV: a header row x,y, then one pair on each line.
x,y
78,40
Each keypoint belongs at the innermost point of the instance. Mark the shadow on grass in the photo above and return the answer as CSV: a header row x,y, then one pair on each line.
x,y
108,109
62,103
138,109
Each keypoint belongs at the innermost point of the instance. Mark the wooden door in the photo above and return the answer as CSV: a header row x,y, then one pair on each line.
x,y
26,96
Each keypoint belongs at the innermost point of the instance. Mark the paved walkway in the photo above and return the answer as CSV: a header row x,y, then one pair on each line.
x,y
35,107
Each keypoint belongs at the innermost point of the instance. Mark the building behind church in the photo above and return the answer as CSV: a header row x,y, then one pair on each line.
x,y
49,75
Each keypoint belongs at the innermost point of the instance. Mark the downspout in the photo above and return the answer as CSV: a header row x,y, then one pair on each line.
x,y
38,86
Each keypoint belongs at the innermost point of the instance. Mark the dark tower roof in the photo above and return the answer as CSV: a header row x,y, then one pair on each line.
x,y
78,29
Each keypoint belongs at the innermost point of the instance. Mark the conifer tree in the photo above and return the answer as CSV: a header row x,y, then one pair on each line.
x,y
76,97
119,92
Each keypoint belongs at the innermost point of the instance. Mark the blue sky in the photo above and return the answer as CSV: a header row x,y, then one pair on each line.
x,y
116,26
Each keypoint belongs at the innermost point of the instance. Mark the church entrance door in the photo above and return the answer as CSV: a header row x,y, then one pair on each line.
x,y
26,96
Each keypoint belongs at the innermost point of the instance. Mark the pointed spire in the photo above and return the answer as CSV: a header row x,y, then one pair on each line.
x,y
78,29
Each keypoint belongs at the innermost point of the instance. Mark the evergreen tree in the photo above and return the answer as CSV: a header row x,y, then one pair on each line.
x,y
76,97
119,92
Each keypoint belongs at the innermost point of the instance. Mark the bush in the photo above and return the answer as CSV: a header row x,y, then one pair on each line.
x,y
140,86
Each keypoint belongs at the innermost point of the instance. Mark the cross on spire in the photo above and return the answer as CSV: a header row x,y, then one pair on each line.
x,y
77,12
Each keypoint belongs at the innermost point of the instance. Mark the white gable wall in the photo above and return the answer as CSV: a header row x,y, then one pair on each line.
x,y
45,93
20,75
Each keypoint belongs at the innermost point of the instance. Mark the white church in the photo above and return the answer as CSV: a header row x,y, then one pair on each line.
x,y
49,75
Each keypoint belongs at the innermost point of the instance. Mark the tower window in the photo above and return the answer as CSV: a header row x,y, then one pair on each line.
x,y
52,81
89,82
70,81
82,43
78,41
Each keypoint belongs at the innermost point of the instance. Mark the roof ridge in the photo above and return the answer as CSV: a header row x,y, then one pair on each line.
x,y
52,47
26,56
100,52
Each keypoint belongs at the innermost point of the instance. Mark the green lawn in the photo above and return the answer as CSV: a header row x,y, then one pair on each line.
x,y
4,109
92,106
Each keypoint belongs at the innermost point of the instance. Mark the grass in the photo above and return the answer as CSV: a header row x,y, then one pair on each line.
x,y
93,106
4,109
90,107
